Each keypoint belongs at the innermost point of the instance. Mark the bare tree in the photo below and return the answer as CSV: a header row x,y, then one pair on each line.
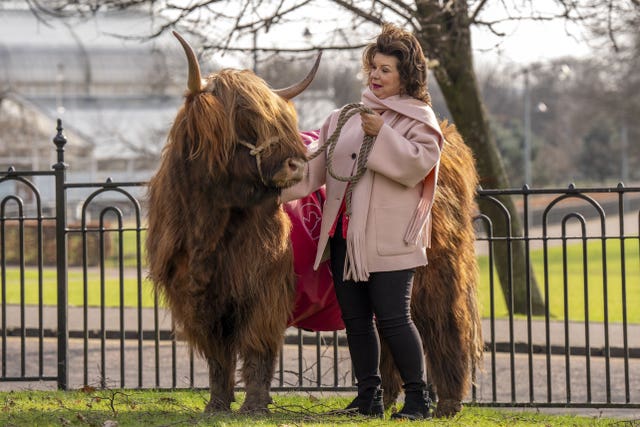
x,y
444,30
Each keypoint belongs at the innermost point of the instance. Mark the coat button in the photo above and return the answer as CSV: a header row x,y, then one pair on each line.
x,y
353,155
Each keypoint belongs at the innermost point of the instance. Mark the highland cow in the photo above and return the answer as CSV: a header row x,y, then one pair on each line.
x,y
218,241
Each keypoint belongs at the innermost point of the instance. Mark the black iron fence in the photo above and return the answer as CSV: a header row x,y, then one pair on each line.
x,y
77,308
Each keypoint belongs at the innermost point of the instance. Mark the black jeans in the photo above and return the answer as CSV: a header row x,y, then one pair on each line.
x,y
387,295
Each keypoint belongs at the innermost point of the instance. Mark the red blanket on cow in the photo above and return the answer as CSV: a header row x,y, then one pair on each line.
x,y
316,307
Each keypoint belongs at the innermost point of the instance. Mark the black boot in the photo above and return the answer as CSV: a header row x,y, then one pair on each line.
x,y
417,405
368,402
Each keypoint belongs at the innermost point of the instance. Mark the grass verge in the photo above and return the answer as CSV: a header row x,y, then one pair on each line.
x,y
91,407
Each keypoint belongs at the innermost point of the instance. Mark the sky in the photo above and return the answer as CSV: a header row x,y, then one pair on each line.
x,y
528,42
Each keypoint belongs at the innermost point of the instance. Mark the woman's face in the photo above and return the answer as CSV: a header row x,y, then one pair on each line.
x,y
384,77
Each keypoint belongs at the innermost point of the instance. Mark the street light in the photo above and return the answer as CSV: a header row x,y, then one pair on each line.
x,y
624,146
307,34
565,73
60,90
527,128
255,51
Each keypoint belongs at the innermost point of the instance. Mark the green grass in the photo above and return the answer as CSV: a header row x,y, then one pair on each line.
x,y
182,408
111,283
575,282
76,290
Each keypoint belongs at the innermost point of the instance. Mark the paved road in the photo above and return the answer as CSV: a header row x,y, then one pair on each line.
x,y
576,335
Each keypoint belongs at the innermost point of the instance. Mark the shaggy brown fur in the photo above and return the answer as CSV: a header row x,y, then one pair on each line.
x,y
444,300
218,241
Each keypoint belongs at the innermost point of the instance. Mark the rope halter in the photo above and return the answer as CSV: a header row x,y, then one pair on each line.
x,y
256,151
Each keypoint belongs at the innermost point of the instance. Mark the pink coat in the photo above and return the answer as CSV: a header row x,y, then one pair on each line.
x,y
393,193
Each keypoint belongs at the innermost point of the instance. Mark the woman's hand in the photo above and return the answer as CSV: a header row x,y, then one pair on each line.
x,y
371,123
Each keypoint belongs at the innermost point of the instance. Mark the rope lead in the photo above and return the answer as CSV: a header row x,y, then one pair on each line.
x,y
367,144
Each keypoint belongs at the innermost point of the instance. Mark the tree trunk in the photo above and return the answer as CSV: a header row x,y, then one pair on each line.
x,y
446,36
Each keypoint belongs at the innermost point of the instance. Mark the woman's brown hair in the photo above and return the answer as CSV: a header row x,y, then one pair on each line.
x,y
412,65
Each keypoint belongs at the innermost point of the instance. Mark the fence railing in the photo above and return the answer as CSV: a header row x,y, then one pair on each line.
x,y
76,308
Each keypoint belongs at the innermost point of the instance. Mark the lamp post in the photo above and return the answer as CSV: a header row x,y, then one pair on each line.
x,y
564,74
624,160
527,129
255,51
60,90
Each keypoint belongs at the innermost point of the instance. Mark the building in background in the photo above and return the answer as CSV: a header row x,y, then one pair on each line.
x,y
116,98
115,92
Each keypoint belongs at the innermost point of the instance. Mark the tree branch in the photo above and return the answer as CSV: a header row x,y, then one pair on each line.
x,y
233,22
404,14
217,47
359,12
475,13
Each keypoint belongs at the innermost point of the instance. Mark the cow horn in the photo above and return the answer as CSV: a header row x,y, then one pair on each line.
x,y
194,82
296,89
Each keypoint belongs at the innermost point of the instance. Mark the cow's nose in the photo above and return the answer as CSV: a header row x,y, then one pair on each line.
x,y
291,172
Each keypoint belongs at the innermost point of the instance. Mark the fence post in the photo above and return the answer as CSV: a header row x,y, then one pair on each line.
x,y
60,169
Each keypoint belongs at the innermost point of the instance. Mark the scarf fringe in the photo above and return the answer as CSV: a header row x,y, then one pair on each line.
x,y
417,223
355,263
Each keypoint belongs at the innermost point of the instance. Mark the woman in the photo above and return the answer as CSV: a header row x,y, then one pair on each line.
x,y
377,226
